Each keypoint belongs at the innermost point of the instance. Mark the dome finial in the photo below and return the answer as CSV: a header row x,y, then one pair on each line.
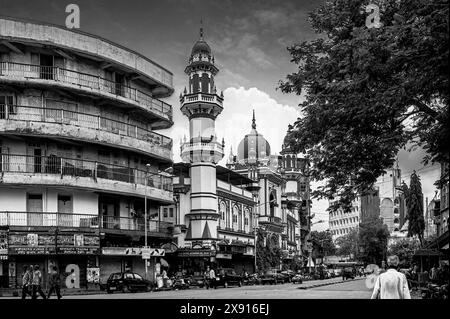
x,y
201,29
253,121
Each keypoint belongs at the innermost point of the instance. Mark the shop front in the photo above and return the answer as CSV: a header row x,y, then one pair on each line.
x,y
72,253
194,261
121,259
237,255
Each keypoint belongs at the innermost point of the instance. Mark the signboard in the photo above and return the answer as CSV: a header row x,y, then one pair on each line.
x,y
223,256
134,251
31,244
3,244
93,275
145,253
196,253
77,244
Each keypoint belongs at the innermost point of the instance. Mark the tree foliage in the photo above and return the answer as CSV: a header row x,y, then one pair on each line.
x,y
322,243
369,92
414,204
404,249
348,244
373,236
268,253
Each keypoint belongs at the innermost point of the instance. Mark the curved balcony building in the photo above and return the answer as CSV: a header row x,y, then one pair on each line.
x,y
79,142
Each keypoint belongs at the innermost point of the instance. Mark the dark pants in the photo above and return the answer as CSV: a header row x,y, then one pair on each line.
x,y
26,290
38,289
54,288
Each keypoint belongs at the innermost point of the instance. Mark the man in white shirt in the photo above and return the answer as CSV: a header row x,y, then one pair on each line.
x,y
391,284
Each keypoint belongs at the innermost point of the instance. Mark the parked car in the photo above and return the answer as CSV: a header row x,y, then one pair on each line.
x,y
228,277
269,277
348,273
289,273
127,282
283,276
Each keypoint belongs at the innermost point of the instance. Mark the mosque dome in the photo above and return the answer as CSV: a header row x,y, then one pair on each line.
x,y
253,148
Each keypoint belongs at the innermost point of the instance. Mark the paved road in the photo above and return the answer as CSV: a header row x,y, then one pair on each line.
x,y
348,290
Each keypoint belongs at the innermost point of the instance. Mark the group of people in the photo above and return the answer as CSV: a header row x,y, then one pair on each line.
x,y
437,275
32,282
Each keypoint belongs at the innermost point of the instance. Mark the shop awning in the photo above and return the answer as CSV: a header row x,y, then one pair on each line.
x,y
428,252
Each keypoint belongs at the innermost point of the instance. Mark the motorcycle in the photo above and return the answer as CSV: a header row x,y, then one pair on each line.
x,y
180,283
434,291
250,280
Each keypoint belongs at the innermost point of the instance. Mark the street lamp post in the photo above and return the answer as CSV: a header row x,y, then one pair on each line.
x,y
145,217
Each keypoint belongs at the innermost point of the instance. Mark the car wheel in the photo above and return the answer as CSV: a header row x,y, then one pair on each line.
x,y
126,289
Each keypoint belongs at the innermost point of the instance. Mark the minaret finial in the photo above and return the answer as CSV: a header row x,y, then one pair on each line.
x,y
253,121
201,29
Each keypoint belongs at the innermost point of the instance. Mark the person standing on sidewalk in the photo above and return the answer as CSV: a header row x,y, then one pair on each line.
x,y
391,284
55,283
36,283
26,281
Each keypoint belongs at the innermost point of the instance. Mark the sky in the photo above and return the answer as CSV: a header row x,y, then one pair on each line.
x,y
249,41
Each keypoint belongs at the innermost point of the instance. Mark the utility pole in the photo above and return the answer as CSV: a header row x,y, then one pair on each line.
x,y
147,167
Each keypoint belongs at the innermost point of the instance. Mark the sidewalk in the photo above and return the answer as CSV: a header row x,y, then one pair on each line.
x,y
17,293
325,282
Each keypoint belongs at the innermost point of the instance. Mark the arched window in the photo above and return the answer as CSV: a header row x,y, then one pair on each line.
x,y
272,204
396,221
246,220
222,212
240,226
235,217
227,217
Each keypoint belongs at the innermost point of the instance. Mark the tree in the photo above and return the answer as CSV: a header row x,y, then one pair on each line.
x,y
347,244
268,253
370,91
322,243
372,241
414,203
404,249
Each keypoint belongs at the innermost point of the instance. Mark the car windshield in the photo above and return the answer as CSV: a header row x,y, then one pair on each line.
x,y
115,276
138,277
128,276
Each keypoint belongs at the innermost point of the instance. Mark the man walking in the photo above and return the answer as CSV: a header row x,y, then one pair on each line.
x,y
391,284
55,283
26,281
36,283
210,277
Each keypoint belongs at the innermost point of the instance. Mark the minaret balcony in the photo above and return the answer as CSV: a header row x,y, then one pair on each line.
x,y
196,98
200,151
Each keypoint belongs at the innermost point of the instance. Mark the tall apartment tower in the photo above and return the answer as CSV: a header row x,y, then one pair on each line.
x,y
201,104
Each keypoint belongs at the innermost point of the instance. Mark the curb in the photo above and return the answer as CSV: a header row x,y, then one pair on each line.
x,y
329,283
18,293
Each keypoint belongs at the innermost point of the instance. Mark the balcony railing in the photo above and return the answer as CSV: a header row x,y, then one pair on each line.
x,y
201,97
81,168
242,231
51,219
200,146
60,116
85,80
270,219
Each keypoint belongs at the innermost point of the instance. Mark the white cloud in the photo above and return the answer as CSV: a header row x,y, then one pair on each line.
x,y
272,118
